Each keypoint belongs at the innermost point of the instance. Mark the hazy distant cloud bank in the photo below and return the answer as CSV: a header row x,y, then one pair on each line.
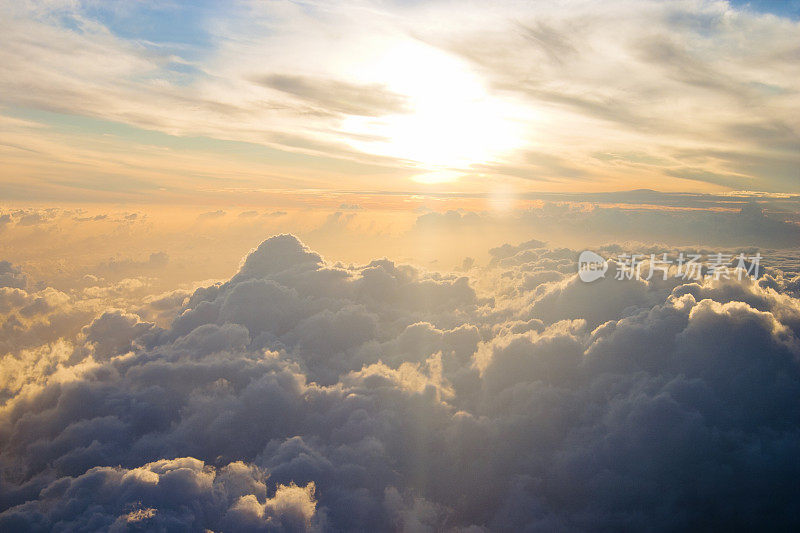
x,y
589,223
303,395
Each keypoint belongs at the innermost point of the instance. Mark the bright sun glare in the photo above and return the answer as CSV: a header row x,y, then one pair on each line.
x,y
452,121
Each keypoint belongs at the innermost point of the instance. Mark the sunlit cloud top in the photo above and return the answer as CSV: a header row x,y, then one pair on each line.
x,y
150,100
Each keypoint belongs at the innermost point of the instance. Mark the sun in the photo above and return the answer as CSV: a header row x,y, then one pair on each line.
x,y
452,121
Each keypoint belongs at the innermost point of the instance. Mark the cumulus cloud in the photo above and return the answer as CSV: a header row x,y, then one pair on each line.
x,y
36,327
163,495
304,395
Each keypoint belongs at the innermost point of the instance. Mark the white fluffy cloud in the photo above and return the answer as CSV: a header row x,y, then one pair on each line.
x,y
301,395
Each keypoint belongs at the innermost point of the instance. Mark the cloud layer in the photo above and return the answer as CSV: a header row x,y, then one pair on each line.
x,y
185,101
304,395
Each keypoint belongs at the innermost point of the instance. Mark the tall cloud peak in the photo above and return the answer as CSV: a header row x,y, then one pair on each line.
x,y
275,255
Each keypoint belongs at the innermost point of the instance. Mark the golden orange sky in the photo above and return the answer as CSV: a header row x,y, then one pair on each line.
x,y
255,103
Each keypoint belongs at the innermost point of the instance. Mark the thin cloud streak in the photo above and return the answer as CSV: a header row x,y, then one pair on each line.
x,y
670,81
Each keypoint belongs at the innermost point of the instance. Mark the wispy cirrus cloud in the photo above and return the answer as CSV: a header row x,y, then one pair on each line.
x,y
377,91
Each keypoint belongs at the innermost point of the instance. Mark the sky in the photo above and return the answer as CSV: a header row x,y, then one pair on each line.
x,y
197,103
402,266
